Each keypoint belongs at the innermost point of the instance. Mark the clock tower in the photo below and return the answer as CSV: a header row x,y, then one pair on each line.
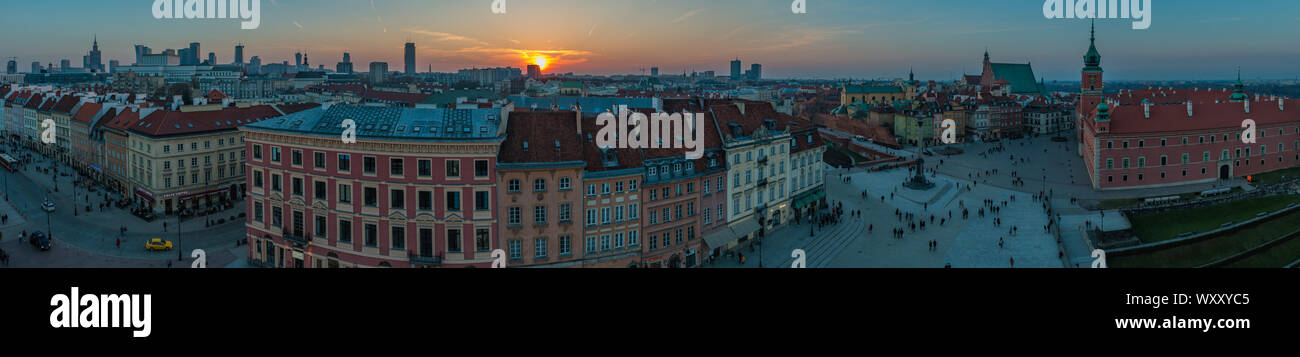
x,y
1090,93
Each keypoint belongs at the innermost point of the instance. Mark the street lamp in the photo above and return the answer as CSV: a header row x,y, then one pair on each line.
x,y
180,257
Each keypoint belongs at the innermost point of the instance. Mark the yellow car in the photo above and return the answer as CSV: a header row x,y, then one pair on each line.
x,y
158,244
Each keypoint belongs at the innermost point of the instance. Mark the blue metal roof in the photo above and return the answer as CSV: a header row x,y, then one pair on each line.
x,y
393,123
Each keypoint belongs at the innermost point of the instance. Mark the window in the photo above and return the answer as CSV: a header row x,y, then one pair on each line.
x,y
345,162
275,182
397,198
395,166
275,154
368,165
320,230
516,248
632,185
257,179
632,211
296,157
591,217
425,167
454,240
345,231
482,239
318,160
591,190
257,212
539,185
453,168
591,244
632,238
453,200
370,197
345,193
480,168
398,238
482,200
566,212
371,235
604,188
277,216
425,199
297,186
566,245
539,215
605,215
565,184
257,150
320,190
514,216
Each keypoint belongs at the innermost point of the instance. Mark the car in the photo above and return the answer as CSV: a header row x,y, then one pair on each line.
x,y
48,206
40,240
157,244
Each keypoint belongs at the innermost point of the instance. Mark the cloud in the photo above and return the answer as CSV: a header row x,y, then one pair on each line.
x,y
295,23
444,36
688,15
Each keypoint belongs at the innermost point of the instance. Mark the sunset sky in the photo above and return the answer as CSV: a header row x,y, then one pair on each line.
x,y
1188,39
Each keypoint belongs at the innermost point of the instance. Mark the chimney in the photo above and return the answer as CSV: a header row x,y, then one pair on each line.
x,y
1189,109
1146,109
741,106
1247,102
1280,106
577,114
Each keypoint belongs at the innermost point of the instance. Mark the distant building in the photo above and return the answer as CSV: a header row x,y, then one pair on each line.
x,y
534,71
410,58
735,70
11,67
239,54
378,72
1020,77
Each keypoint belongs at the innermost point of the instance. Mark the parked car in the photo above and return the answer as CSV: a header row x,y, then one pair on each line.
x,y
157,244
48,206
40,241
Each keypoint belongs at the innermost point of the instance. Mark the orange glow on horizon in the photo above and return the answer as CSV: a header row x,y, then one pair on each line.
x,y
542,62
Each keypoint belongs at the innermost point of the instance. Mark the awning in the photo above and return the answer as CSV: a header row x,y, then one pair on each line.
x,y
721,238
809,198
745,227
144,194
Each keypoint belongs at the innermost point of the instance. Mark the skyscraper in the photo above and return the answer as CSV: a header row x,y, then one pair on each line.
x,y
36,67
93,61
654,71
346,65
140,51
297,58
212,58
378,72
410,58
534,71
11,67
239,54
755,72
735,70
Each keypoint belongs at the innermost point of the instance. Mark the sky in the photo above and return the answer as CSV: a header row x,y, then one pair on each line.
x,y
938,39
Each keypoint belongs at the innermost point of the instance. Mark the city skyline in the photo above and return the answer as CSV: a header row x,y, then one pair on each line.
x,y
831,41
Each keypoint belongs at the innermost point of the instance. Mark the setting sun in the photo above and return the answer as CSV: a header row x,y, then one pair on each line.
x,y
541,61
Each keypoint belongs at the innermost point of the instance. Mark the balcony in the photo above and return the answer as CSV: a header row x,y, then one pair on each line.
x,y
762,160
297,238
425,260
762,182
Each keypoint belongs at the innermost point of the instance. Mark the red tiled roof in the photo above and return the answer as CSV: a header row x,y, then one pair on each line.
x,y
216,95
296,107
34,102
1131,119
542,130
168,122
592,154
66,104
122,121
87,112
